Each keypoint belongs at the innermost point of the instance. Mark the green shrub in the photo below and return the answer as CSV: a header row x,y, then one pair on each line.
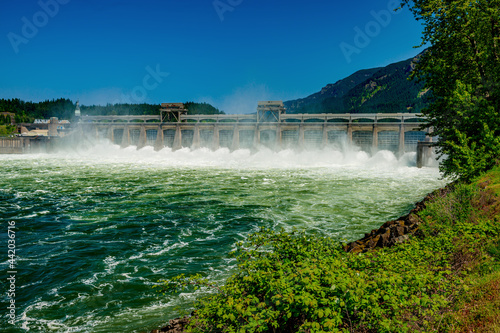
x,y
299,282
6,130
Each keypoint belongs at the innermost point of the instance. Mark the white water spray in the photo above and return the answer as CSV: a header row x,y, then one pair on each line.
x,y
351,158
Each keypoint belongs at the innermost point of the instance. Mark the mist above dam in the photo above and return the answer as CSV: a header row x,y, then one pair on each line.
x,y
269,127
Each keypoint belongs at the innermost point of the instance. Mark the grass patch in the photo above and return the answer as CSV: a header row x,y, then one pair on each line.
x,y
491,180
478,310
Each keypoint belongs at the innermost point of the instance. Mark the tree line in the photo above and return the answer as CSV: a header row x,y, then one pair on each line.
x,y
5,120
63,108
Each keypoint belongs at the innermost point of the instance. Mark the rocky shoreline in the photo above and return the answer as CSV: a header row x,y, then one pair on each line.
x,y
174,326
395,231
389,234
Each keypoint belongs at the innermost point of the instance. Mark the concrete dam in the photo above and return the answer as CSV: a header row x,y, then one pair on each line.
x,y
270,126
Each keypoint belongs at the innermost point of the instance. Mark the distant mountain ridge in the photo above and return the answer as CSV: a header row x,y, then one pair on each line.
x,y
377,90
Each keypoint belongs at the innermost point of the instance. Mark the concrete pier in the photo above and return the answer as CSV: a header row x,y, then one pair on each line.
x,y
424,152
236,138
159,145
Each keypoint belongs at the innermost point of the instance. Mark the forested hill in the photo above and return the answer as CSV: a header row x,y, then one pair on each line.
x,y
144,109
65,109
29,111
385,89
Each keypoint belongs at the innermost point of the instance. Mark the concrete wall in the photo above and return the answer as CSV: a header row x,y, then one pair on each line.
x,y
11,146
25,145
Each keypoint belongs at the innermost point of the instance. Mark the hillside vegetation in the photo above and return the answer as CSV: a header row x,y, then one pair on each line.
x,y
376,90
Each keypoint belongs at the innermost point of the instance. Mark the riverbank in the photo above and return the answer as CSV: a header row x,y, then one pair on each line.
x,y
444,276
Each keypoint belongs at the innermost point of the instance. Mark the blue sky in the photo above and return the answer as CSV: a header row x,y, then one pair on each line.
x,y
230,53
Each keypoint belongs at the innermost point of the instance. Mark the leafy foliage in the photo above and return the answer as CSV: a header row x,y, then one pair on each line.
x,y
7,130
299,282
462,69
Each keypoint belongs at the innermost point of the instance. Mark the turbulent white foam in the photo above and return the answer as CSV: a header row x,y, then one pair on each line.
x,y
138,256
167,249
110,264
92,280
324,166
223,158
109,227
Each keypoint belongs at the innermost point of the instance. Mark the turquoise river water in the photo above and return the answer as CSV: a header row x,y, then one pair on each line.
x,y
95,229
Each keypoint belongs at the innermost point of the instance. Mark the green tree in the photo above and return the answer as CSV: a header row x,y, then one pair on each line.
x,y
462,69
201,108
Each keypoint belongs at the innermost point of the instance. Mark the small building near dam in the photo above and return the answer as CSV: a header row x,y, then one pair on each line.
x,y
40,136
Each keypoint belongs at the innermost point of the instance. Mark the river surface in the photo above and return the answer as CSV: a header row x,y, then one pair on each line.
x,y
97,228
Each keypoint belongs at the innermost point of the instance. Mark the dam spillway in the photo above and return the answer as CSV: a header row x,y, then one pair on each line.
x,y
398,132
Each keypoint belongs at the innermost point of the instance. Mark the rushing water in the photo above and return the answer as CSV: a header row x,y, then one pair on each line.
x,y
96,229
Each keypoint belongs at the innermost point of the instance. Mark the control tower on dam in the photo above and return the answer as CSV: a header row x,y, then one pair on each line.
x,y
270,126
